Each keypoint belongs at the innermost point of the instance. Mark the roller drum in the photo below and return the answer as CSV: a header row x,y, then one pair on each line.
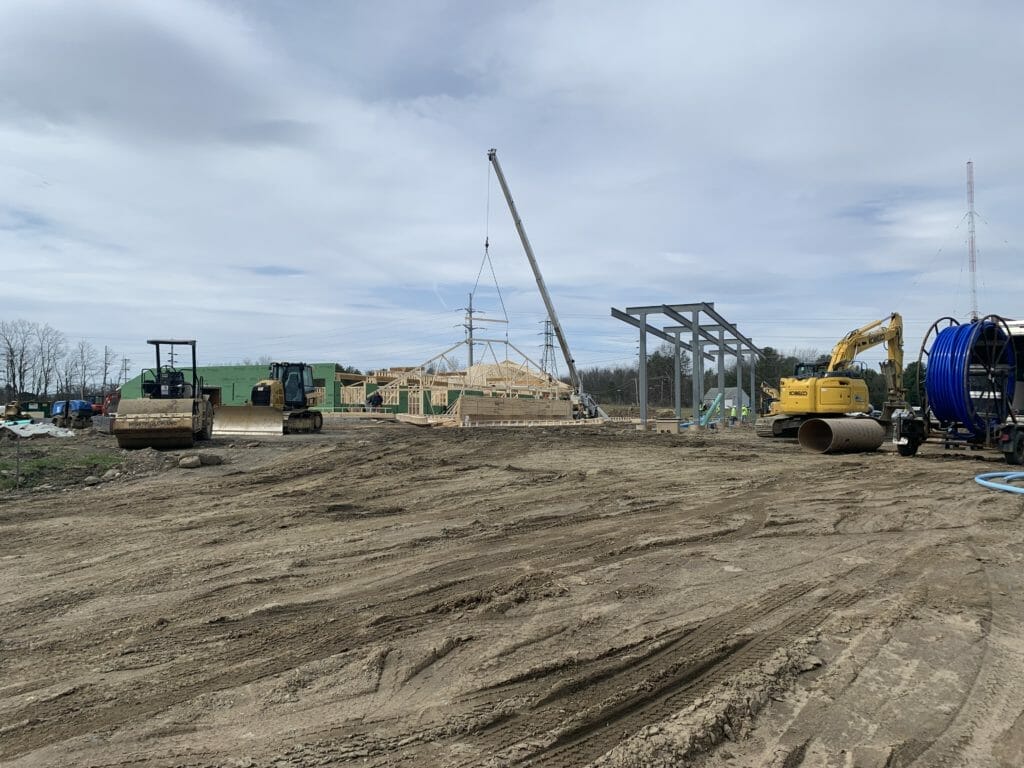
x,y
849,435
148,423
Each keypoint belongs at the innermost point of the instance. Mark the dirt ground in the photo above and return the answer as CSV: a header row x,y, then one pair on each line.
x,y
388,595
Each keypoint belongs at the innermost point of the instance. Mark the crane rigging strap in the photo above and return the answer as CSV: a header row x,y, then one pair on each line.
x,y
487,256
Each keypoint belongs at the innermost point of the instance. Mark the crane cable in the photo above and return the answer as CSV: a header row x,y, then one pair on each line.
x,y
487,256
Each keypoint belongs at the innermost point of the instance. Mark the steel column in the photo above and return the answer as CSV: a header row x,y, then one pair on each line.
x,y
753,367
721,375
642,370
698,367
739,384
677,382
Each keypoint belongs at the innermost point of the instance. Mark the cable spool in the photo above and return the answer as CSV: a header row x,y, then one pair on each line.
x,y
970,376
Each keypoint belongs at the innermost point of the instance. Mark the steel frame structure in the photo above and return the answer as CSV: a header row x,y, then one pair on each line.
x,y
716,334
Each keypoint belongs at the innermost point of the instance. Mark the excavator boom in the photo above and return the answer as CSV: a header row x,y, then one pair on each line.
x,y
870,335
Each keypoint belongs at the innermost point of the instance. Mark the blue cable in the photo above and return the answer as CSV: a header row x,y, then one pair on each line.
x,y
947,378
988,480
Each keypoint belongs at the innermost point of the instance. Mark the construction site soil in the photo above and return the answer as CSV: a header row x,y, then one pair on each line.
x,y
383,595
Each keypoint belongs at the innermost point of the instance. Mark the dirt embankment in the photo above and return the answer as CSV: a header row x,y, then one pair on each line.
x,y
388,596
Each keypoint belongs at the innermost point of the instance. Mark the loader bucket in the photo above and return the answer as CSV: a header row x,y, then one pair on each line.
x,y
247,420
154,423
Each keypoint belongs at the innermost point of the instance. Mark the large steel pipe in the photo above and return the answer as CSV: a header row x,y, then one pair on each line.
x,y
847,435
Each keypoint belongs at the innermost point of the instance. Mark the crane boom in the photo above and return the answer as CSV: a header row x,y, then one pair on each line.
x,y
574,375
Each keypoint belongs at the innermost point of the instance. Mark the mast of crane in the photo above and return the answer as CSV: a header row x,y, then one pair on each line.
x,y
971,249
574,375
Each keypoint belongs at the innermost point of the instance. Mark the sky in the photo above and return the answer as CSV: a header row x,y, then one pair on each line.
x,y
309,180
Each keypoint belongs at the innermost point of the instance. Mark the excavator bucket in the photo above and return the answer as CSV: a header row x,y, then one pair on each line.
x,y
166,423
247,420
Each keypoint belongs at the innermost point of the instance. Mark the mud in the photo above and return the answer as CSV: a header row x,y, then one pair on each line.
x,y
386,595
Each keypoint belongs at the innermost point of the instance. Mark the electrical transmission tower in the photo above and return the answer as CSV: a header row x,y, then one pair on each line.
x,y
548,361
468,325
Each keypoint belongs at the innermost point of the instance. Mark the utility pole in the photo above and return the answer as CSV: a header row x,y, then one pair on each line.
x,y
972,253
123,378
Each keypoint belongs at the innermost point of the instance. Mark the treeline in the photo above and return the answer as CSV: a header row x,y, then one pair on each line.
x,y
39,361
619,385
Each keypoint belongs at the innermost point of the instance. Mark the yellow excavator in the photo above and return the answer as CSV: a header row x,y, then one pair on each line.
x,y
282,403
174,411
833,387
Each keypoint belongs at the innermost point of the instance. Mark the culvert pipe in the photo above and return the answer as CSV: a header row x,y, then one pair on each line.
x,y
848,435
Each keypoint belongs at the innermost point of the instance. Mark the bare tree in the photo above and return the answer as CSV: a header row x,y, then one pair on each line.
x,y
15,348
49,347
66,374
109,356
86,365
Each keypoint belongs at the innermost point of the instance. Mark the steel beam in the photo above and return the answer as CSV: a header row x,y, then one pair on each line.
x,y
620,315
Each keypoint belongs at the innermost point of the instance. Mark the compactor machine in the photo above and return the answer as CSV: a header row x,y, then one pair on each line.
x,y
174,410
834,388
280,404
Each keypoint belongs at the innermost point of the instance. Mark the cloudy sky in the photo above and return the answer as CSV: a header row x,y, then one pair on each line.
x,y
310,179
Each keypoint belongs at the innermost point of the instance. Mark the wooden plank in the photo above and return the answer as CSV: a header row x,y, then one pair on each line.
x,y
477,409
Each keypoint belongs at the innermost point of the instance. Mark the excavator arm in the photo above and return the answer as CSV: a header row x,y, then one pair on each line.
x,y
871,335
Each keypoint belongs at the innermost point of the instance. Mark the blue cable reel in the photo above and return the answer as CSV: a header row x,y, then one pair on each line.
x,y
970,375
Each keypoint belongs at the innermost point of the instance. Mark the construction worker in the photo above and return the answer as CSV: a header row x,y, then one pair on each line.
x,y
732,416
744,412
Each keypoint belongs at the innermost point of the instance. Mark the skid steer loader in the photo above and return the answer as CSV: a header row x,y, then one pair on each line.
x,y
280,404
174,410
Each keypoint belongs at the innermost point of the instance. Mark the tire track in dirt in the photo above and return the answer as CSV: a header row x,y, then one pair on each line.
x,y
471,583
604,729
298,629
488,725
988,701
407,615
628,687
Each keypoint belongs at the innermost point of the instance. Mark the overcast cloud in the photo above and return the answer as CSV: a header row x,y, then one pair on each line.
x,y
309,180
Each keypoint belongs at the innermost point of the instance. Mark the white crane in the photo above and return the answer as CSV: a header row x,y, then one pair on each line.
x,y
585,403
